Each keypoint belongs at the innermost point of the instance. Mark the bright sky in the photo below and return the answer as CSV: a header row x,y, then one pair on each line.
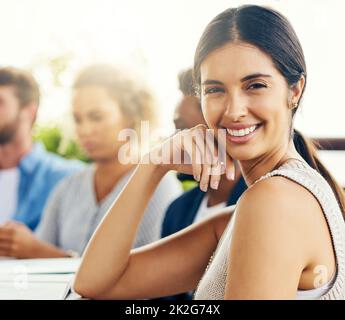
x,y
158,38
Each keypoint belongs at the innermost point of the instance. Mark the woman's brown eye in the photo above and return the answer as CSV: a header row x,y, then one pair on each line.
x,y
257,86
212,90
95,117
76,120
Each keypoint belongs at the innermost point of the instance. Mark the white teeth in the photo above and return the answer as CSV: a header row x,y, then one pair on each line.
x,y
242,132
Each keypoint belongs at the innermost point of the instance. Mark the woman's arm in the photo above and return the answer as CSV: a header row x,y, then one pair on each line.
x,y
149,229
110,270
169,266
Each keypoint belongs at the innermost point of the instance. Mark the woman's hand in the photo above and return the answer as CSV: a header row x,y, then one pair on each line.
x,y
17,240
199,151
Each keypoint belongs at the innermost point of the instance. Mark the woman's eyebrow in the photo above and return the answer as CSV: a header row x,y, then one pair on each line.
x,y
255,75
246,78
206,82
93,112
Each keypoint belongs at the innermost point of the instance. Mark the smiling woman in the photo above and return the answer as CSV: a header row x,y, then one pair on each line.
x,y
286,237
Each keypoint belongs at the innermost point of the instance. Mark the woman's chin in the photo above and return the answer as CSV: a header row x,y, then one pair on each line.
x,y
243,155
93,155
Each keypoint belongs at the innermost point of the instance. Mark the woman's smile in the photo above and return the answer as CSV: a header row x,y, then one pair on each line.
x,y
243,135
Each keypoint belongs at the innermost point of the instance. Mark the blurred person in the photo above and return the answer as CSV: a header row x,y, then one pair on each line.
x,y
28,173
196,205
285,239
188,111
105,101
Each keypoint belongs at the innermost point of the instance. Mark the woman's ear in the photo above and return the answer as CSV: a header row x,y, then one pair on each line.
x,y
297,89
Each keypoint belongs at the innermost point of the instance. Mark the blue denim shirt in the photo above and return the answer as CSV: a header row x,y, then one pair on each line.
x,y
39,172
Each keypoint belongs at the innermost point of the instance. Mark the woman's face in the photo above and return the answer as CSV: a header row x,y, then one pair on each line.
x,y
244,93
98,120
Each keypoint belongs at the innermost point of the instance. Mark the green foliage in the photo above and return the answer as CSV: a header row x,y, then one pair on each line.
x,y
54,141
188,184
50,136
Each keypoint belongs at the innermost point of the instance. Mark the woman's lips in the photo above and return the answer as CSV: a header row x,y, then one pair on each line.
x,y
242,136
89,145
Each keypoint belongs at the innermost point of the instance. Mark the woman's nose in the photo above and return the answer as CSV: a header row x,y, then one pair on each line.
x,y
84,129
235,109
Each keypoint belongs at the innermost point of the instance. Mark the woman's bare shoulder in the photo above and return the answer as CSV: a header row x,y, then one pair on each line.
x,y
279,196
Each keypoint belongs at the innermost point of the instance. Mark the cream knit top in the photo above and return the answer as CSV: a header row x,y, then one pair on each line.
x,y
212,284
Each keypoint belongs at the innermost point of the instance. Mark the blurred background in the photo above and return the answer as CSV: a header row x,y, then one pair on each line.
x,y
155,40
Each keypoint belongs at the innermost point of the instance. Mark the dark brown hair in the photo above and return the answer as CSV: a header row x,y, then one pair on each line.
x,y
272,33
186,84
24,84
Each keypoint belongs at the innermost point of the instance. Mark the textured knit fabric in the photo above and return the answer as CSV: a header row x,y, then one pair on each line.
x,y
212,284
